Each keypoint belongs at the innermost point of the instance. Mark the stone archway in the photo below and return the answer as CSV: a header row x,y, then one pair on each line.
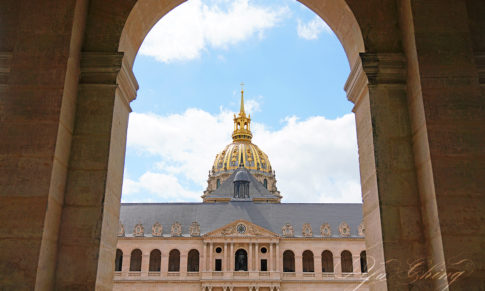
x,y
66,84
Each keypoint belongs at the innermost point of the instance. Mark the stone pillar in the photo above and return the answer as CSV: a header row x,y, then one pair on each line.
x,y
444,45
337,266
145,262
164,262
256,268
204,258
90,213
278,258
211,257
317,260
250,257
298,263
270,257
391,209
125,265
183,263
231,256
224,261
39,71
356,263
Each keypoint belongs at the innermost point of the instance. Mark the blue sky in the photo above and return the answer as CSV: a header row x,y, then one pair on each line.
x,y
190,68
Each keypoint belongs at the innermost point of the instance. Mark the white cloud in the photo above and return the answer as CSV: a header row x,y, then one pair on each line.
x,y
194,26
312,29
315,159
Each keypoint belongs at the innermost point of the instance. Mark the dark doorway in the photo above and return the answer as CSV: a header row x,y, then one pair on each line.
x,y
241,259
218,265
264,265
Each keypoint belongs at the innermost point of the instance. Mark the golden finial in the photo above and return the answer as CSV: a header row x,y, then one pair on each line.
x,y
242,123
241,111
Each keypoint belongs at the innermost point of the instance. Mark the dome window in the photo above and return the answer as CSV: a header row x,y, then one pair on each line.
x,y
265,183
241,185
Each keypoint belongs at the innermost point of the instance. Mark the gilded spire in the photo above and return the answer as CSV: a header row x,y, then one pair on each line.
x,y
242,124
241,110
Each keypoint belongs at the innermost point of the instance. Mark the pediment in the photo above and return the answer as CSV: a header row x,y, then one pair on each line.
x,y
241,228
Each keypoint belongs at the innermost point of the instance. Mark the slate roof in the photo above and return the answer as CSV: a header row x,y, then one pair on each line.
x,y
226,189
211,216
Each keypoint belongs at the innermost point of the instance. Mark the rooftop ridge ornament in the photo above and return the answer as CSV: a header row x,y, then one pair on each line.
x,y
242,123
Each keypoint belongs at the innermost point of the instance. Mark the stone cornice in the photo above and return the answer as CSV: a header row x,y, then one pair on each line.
x,y
109,69
373,69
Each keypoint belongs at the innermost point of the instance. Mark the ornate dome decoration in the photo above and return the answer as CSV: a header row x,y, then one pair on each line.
x,y
242,153
344,229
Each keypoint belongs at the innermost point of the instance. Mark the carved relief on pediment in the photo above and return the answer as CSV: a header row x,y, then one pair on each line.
x,y
229,230
306,230
157,229
287,230
121,230
176,229
344,229
253,230
139,230
325,230
362,229
194,229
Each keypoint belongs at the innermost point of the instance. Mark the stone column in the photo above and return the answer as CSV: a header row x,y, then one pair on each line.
x,y
250,257
278,258
224,261
391,209
231,257
256,268
204,258
270,257
211,257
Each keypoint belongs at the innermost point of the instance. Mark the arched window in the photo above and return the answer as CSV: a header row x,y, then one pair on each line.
x,y
346,262
118,260
135,260
174,261
193,261
288,261
363,262
218,183
241,260
307,259
265,183
155,261
327,262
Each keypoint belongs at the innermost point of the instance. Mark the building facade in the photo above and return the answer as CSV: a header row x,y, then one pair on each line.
x,y
241,237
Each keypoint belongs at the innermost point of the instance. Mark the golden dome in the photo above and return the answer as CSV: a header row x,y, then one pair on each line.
x,y
241,152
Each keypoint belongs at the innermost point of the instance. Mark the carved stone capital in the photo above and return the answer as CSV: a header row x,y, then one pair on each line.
x,y
384,68
373,69
109,69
